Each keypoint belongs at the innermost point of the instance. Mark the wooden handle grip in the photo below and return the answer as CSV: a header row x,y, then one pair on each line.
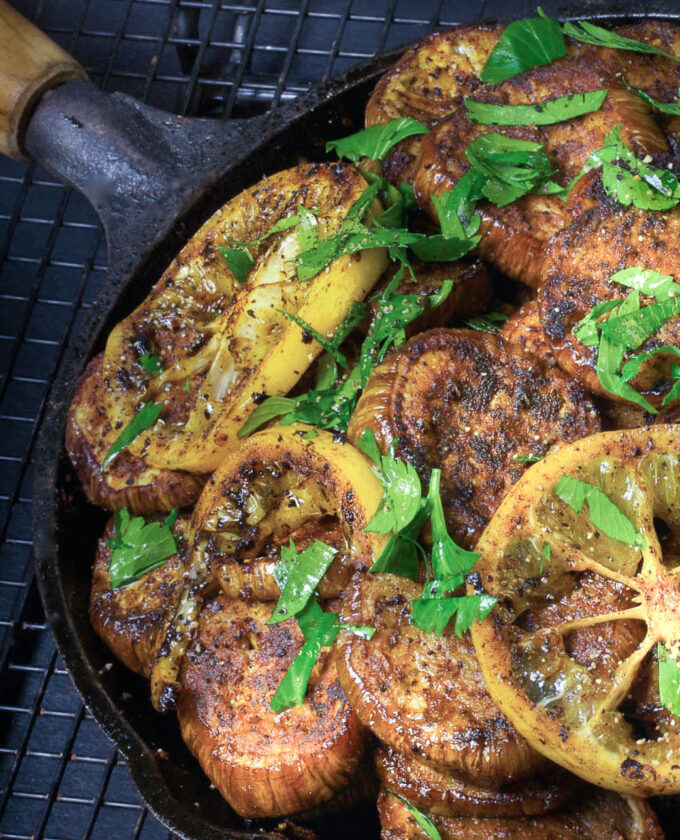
x,y
30,64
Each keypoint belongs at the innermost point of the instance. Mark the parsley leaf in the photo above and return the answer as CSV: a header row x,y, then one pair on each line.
x,y
632,368
649,282
434,609
328,346
151,364
448,558
669,679
401,495
589,33
423,821
367,443
629,179
490,323
144,419
527,459
604,514
548,112
320,630
187,385
512,168
524,44
269,409
239,260
137,547
375,142
308,228
670,108
400,555
634,328
587,330
308,568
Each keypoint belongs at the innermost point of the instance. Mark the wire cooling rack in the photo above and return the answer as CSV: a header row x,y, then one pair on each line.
x,y
60,777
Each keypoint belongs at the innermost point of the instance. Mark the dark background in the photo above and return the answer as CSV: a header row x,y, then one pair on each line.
x,y
59,776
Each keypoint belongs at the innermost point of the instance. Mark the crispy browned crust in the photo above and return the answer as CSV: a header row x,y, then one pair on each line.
x,y
514,237
130,619
471,295
524,329
470,403
264,764
421,694
450,795
128,482
594,814
579,263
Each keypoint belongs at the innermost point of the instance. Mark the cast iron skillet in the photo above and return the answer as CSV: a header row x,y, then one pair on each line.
x,y
154,178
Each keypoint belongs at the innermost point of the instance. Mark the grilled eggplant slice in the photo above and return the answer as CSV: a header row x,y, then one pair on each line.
x,y
263,763
429,79
129,481
594,815
514,237
524,328
450,795
424,695
579,262
472,404
234,342
130,619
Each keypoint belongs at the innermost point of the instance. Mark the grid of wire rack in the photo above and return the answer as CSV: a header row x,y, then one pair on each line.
x,y
59,776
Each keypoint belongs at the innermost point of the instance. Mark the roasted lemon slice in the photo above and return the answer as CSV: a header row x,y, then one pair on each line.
x,y
221,344
276,486
583,557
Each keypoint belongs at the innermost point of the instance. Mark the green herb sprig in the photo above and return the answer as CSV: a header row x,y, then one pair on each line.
x,y
377,141
629,325
151,364
669,679
143,420
450,563
532,42
138,546
604,514
548,112
298,575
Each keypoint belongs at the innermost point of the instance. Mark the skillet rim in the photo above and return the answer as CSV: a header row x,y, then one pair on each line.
x,y
47,495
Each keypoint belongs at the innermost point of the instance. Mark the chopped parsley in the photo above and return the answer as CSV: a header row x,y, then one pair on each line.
x,y
151,364
669,679
377,141
304,570
548,112
298,574
524,44
144,419
628,179
138,546
604,514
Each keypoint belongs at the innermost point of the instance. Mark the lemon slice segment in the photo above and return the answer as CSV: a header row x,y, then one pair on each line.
x,y
569,653
221,344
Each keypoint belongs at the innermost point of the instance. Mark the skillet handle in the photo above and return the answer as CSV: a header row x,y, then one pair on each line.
x,y
30,64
